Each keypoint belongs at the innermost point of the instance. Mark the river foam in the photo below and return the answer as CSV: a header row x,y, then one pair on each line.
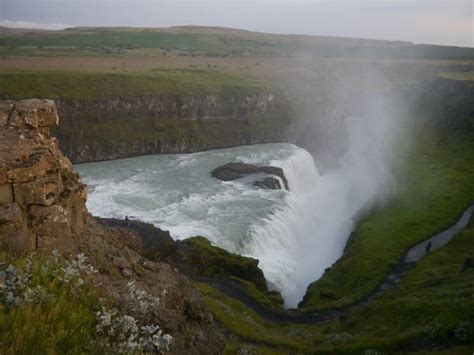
x,y
296,235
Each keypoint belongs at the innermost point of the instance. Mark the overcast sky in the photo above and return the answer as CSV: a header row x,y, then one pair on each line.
x,y
419,21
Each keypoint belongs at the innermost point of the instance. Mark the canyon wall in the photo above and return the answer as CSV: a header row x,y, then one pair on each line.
x,y
118,127
113,127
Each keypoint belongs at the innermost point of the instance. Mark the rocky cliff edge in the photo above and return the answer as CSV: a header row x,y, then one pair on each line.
x,y
42,209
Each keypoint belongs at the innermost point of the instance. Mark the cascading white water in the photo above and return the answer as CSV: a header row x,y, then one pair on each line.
x,y
308,233
295,234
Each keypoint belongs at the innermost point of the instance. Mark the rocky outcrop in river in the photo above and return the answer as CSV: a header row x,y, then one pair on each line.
x,y
234,171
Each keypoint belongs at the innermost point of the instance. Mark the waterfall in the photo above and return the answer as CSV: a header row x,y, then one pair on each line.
x,y
295,234
308,233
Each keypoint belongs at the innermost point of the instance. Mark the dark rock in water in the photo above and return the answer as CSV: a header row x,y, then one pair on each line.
x,y
234,171
269,183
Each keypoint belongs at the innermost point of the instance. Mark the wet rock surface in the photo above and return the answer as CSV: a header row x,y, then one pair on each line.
x,y
268,183
42,209
234,171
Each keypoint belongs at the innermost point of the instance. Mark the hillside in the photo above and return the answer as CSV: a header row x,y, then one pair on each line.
x,y
205,41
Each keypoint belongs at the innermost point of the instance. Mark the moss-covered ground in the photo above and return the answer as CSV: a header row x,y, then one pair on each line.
x,y
202,259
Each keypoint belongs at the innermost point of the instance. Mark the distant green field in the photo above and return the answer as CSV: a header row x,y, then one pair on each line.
x,y
97,85
215,42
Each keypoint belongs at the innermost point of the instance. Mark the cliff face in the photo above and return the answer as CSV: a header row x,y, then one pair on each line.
x,y
42,199
119,127
42,208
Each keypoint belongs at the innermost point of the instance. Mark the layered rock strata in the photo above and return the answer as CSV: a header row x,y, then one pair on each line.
x,y
119,127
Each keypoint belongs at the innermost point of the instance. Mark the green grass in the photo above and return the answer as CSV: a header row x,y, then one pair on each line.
x,y
63,323
250,328
214,42
211,261
98,85
267,299
436,185
433,306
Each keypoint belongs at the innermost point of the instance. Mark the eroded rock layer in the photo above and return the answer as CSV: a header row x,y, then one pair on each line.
x,y
119,127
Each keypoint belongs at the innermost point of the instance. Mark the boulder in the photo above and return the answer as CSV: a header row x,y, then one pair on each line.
x,y
237,170
35,114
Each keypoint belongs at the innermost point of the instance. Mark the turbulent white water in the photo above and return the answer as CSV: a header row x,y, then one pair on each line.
x,y
295,235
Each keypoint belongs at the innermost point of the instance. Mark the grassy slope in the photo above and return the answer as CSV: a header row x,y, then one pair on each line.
x,y
432,307
439,184
96,85
64,322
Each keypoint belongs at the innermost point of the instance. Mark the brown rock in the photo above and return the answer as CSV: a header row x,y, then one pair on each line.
x,y
43,192
43,166
37,113
65,164
3,174
15,236
6,108
6,194
54,221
